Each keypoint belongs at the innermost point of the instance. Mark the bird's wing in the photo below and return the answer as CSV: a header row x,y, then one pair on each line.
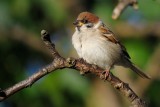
x,y
110,36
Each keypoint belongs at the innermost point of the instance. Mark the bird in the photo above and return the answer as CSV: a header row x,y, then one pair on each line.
x,y
96,44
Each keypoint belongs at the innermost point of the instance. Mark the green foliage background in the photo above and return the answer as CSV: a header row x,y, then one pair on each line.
x,y
22,51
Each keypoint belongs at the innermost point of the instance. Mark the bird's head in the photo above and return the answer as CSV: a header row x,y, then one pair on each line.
x,y
86,20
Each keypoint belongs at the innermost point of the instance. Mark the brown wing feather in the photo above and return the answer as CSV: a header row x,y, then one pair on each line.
x,y
110,36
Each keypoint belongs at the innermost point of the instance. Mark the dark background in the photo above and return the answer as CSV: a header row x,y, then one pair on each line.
x,y
22,52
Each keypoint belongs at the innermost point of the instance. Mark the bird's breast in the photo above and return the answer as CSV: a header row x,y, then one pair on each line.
x,y
95,49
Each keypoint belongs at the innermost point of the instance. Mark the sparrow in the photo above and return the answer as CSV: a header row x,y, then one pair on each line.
x,y
96,44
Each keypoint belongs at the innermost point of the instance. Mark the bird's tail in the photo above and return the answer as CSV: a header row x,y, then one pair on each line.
x,y
138,71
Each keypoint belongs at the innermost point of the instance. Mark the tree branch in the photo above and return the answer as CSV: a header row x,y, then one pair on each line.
x,y
122,4
78,64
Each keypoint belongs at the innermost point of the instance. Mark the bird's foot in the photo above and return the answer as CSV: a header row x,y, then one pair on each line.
x,y
105,74
81,60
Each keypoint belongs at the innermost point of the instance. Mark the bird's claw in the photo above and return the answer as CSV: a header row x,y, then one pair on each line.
x,y
104,74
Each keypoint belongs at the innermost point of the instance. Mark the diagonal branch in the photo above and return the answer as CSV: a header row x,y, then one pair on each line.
x,y
122,4
78,64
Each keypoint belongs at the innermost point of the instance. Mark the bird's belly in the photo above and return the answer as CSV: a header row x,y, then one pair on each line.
x,y
101,53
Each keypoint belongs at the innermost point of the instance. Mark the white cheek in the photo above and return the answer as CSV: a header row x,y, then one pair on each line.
x,y
98,24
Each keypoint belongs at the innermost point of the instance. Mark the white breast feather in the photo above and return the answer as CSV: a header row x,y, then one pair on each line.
x,y
95,49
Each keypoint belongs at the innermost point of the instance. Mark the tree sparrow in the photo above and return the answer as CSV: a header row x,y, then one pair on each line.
x,y
96,44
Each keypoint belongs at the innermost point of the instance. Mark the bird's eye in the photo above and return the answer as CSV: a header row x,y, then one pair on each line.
x,y
89,25
84,21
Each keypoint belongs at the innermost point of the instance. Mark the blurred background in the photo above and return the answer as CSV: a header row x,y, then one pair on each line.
x,y
22,52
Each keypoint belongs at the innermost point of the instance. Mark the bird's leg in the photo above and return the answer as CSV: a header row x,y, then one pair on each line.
x,y
81,60
105,74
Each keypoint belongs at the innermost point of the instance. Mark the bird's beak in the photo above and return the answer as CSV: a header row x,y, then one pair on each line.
x,y
77,23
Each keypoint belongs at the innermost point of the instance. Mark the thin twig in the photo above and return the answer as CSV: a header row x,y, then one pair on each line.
x,y
122,4
78,64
